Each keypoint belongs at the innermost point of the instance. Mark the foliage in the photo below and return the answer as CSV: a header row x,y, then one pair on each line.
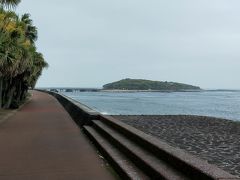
x,y
141,84
9,3
20,63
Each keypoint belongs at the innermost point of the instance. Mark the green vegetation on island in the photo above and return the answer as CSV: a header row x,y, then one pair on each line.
x,y
20,63
141,84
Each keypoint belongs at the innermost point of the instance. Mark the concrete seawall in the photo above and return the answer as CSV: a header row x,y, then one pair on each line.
x,y
81,113
145,156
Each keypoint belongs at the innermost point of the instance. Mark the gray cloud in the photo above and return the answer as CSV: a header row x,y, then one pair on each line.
x,y
89,43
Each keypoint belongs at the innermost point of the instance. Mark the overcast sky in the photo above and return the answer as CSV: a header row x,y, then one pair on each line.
x,y
88,43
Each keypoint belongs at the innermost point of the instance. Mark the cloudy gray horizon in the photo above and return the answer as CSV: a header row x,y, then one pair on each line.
x,y
91,43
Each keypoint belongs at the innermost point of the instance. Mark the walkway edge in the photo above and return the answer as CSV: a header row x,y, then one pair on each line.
x,y
13,112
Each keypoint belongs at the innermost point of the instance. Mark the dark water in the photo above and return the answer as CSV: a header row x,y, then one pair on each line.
x,y
223,104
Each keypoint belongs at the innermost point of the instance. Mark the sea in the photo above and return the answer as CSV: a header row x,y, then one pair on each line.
x,y
216,103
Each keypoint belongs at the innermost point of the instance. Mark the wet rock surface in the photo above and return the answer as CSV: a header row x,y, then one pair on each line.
x,y
212,139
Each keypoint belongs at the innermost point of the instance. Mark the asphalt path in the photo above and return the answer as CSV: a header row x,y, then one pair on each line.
x,y
42,142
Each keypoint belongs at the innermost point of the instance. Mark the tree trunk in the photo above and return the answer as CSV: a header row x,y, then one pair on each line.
x,y
18,92
10,95
1,92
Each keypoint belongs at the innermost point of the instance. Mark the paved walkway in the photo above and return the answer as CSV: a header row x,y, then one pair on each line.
x,y
42,142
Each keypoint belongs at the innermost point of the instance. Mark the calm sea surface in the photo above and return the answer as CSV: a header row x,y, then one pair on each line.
x,y
223,104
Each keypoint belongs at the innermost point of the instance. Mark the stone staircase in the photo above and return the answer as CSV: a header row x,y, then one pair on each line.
x,y
135,155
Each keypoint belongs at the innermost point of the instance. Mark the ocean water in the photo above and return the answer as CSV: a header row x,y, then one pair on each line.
x,y
223,104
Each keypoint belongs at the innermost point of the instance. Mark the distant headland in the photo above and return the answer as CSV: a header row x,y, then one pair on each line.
x,y
148,85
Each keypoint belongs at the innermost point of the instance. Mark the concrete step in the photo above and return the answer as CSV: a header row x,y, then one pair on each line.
x,y
183,162
125,168
145,160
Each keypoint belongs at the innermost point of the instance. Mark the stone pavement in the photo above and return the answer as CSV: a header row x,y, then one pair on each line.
x,y
42,142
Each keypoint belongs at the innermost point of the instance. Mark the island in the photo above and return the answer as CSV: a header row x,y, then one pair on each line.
x,y
148,85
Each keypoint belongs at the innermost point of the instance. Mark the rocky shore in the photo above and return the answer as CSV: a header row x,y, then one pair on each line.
x,y
212,139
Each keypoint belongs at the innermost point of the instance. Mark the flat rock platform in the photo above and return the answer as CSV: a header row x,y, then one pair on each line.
x,y
42,142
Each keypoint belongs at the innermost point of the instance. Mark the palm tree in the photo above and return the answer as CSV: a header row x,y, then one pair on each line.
x,y
20,63
30,30
9,3
7,50
12,56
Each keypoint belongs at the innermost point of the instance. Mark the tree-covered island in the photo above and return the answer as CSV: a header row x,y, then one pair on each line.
x,y
142,84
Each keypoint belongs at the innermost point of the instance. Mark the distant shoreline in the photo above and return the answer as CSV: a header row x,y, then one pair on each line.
x,y
76,89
